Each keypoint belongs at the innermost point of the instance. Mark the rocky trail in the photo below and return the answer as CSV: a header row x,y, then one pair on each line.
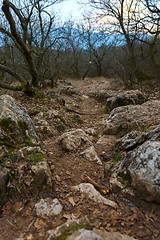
x,y
79,146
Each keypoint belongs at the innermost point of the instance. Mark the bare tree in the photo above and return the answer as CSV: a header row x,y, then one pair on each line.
x,y
96,43
29,28
120,16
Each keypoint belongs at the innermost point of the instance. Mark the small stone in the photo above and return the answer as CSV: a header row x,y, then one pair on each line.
x,y
48,207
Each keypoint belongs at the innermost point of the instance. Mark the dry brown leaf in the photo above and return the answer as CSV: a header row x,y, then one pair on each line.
x,y
71,201
58,178
39,223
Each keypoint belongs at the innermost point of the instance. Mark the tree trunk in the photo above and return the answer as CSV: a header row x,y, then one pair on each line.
x,y
24,49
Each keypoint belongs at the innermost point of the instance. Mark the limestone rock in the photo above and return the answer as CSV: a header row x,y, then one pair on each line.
x,y
69,90
48,207
131,140
103,94
49,122
135,138
43,128
74,139
42,177
138,174
93,194
16,127
133,117
91,155
126,98
144,169
96,234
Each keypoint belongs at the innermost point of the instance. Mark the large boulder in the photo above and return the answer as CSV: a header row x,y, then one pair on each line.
x,y
144,170
133,117
16,127
133,97
134,139
138,173
115,99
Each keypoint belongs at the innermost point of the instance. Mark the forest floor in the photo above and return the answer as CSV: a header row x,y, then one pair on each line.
x,y
18,219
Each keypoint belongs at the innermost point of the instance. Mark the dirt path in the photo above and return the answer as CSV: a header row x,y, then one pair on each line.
x,y
18,219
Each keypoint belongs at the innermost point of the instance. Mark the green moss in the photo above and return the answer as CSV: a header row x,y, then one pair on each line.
x,y
117,157
34,157
69,230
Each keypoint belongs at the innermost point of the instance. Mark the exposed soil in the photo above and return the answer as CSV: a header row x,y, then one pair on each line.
x,y
18,219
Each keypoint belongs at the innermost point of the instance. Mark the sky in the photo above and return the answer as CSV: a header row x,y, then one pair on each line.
x,y
68,8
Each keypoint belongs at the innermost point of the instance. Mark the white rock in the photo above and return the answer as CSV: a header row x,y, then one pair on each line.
x,y
48,207
93,194
73,139
91,155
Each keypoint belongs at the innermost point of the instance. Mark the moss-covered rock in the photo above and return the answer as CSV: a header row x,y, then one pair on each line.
x,y
16,127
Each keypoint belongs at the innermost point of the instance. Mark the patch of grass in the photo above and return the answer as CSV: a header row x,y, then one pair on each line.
x,y
117,157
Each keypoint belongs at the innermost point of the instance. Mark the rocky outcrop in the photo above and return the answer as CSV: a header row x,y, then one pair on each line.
x,y
21,156
134,139
115,99
138,174
16,127
103,95
49,123
144,170
133,117
133,97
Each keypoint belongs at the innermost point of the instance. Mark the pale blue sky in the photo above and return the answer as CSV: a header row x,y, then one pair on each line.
x,y
67,8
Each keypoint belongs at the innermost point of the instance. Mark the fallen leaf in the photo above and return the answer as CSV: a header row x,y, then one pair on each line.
x,y
58,178
71,201
39,223
18,206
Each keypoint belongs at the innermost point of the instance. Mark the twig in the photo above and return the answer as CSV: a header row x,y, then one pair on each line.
x,y
30,225
102,189
12,224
